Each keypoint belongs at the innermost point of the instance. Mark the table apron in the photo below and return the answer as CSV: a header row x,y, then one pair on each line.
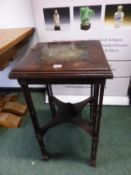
x,y
72,81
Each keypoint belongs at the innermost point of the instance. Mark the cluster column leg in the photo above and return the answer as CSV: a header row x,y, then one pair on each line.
x,y
33,115
51,102
97,109
91,104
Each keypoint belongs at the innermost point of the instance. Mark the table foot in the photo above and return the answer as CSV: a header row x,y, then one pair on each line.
x,y
93,163
45,156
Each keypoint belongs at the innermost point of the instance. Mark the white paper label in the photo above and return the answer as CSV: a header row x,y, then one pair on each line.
x,y
57,66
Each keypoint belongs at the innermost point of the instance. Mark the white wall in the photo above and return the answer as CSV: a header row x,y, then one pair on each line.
x,y
16,14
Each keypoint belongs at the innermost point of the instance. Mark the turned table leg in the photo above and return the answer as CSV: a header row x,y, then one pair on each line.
x,y
51,102
91,104
97,109
33,115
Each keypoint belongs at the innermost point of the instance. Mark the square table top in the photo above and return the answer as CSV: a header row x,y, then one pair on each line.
x,y
61,60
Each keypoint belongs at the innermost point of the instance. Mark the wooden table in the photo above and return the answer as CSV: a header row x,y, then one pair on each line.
x,y
81,62
11,41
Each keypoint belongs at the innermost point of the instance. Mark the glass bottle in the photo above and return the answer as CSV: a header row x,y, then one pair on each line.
x,y
119,16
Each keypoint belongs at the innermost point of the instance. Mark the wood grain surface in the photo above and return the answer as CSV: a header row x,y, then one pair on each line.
x,y
11,37
42,63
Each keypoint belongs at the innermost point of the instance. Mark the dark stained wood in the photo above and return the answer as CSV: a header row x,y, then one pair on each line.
x,y
84,124
94,63
80,62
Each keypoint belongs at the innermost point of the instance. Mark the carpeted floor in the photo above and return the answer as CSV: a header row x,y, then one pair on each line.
x,y
69,146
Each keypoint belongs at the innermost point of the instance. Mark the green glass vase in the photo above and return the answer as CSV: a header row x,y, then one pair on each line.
x,y
85,15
